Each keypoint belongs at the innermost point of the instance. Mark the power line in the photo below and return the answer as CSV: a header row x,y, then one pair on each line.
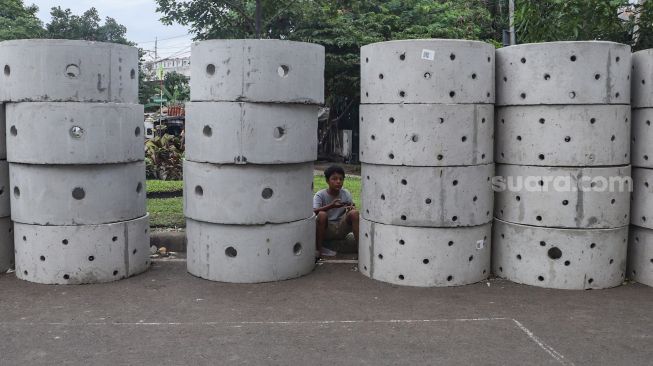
x,y
165,39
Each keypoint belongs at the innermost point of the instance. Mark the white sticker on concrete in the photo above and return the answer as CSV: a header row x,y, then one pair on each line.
x,y
428,55
480,244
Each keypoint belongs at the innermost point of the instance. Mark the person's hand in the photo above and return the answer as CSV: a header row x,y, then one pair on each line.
x,y
337,203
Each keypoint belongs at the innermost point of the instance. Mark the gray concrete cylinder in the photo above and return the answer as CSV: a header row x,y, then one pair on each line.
x,y
427,196
641,86
426,134
564,197
572,259
642,138
74,133
640,255
427,130
424,256
249,254
47,70
248,194
239,133
563,133
251,141
82,253
568,135
77,194
6,240
438,71
256,70
563,73
642,198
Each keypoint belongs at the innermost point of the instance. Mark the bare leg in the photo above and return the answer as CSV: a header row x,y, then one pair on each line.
x,y
352,220
322,223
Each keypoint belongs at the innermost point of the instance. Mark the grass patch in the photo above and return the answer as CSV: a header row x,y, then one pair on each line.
x,y
158,186
166,212
352,184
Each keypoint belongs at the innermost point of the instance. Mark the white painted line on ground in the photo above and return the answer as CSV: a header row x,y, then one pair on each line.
x,y
548,349
555,354
292,322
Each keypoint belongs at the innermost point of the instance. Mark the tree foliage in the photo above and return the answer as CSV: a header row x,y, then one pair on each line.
x,y
341,26
18,21
579,20
176,87
66,25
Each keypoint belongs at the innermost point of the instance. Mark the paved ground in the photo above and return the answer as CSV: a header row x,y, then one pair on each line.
x,y
334,316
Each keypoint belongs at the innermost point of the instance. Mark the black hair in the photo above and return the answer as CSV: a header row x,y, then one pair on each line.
x,y
333,169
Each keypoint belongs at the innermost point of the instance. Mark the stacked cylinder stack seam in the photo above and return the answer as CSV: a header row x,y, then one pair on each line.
x,y
76,177
562,150
248,175
426,137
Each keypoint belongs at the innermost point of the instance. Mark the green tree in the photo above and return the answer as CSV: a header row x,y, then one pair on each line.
x,y
66,25
176,87
18,21
580,20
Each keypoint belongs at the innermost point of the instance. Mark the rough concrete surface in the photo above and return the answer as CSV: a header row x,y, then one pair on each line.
x,y
333,316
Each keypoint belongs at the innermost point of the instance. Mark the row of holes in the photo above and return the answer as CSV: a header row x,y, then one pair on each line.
x,y
266,193
402,57
402,94
540,218
278,132
231,252
78,193
572,58
75,131
572,95
427,75
415,138
282,70
441,120
72,71
564,202
403,242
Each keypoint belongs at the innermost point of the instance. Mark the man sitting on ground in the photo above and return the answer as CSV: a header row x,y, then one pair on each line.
x,y
336,213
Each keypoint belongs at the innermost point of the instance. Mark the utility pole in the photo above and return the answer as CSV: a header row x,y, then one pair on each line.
x,y
511,10
156,42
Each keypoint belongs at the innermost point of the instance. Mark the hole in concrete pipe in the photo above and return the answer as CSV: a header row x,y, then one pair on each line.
x,y
401,277
66,277
139,187
402,57
207,131
450,278
137,131
279,132
540,278
72,71
132,74
16,192
91,258
64,242
283,71
425,261
79,193
210,69
554,253
381,76
297,249
115,238
42,258
231,252
7,70
13,130
199,190
267,193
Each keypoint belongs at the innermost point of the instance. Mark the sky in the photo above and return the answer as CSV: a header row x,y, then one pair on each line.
x,y
140,18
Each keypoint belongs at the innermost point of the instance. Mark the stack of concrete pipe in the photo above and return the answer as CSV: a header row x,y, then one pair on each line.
x,y
251,139
640,250
6,228
426,148
563,131
75,152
